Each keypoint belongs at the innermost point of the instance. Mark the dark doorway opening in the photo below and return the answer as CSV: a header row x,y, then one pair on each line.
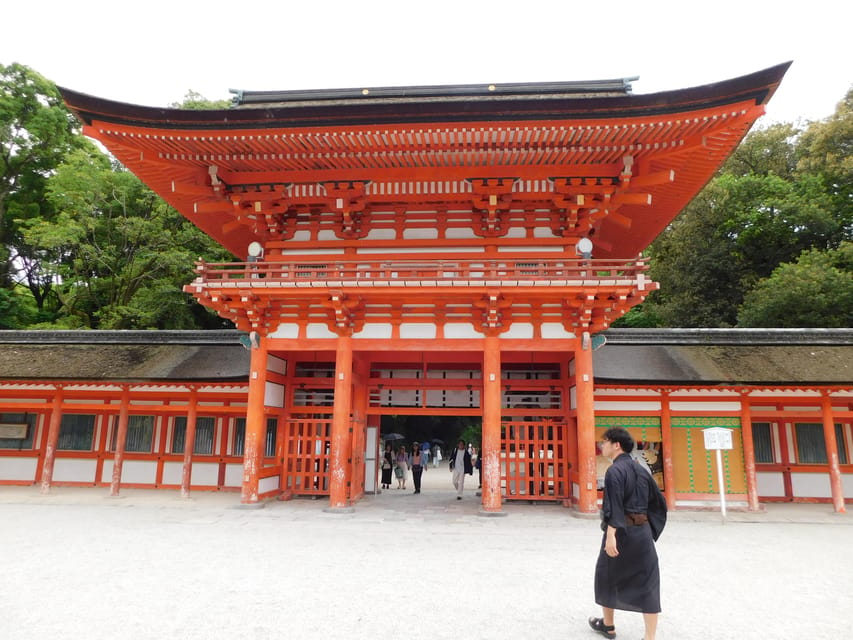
x,y
446,430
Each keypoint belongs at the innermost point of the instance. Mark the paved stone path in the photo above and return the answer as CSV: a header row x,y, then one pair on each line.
x,y
150,565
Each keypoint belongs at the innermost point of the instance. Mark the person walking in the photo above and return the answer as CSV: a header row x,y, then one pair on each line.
x,y
387,465
425,449
633,514
436,456
418,460
401,467
460,465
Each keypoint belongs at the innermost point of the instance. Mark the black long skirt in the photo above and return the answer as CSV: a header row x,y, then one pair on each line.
x,y
630,581
386,476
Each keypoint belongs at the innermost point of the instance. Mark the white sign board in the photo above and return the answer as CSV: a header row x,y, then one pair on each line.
x,y
717,438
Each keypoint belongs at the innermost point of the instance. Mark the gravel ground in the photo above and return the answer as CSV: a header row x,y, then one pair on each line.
x,y
80,565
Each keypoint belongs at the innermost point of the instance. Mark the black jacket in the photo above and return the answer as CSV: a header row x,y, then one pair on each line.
x,y
469,468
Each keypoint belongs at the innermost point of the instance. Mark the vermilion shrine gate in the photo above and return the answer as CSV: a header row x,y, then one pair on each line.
x,y
425,250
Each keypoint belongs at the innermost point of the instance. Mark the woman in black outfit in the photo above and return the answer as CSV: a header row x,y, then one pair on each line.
x,y
387,466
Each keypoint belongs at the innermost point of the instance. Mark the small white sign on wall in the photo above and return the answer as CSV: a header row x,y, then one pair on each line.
x,y
717,438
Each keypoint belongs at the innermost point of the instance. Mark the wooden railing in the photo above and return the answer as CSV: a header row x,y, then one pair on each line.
x,y
364,273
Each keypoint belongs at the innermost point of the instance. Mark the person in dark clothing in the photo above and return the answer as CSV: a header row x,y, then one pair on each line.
x,y
387,466
418,464
633,512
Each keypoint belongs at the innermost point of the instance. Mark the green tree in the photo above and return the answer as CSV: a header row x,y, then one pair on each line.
x,y
118,253
814,291
197,102
782,192
36,131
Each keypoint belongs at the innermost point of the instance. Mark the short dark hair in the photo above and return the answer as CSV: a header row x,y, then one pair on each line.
x,y
620,435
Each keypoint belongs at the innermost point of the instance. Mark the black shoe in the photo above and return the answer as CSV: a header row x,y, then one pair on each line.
x,y
458,497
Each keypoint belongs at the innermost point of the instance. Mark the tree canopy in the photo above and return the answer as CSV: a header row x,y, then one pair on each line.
x,y
780,208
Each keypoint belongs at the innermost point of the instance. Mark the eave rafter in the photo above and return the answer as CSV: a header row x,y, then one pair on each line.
x,y
241,174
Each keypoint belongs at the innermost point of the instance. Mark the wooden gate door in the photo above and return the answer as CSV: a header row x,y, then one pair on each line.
x,y
534,460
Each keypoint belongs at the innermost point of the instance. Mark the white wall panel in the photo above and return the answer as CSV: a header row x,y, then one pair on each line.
x,y
18,469
811,485
770,484
205,473
375,330
268,484
286,330
704,406
273,394
71,470
460,330
416,330
628,405
319,330
233,475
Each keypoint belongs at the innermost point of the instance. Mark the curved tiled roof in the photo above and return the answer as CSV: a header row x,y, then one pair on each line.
x,y
780,357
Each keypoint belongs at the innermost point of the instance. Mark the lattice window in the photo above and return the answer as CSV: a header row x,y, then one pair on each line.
x,y
204,435
811,447
763,442
76,432
240,437
19,418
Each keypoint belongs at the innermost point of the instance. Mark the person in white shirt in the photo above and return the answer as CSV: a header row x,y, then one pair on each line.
x,y
460,465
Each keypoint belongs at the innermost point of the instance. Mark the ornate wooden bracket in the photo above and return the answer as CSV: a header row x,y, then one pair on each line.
x,y
349,199
491,195
347,312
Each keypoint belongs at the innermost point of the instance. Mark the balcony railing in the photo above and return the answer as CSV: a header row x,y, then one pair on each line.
x,y
468,273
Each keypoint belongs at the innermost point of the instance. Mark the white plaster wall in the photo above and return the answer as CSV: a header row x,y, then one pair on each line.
x,y
172,472
704,406
520,330
847,484
554,330
205,473
420,234
313,251
627,406
273,395
233,475
457,330
459,233
132,471
286,330
18,469
623,392
268,484
811,485
375,330
381,234
71,470
276,364
319,330
770,484
415,330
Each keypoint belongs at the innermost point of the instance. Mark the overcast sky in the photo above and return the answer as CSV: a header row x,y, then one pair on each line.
x,y
154,52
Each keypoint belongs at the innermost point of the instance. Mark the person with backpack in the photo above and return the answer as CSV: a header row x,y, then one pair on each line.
x,y
633,514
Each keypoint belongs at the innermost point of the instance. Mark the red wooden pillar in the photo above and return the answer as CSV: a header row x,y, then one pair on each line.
x,y
121,440
340,472
748,453
189,444
666,443
360,402
491,445
585,398
253,441
832,454
52,440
